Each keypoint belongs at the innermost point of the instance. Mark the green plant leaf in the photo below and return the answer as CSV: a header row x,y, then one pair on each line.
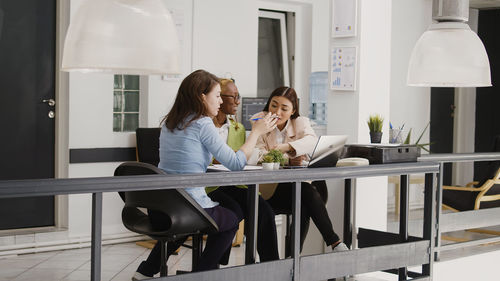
x,y
267,158
408,137
422,146
375,123
276,156
425,129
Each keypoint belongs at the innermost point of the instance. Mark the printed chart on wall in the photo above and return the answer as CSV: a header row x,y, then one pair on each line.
x,y
344,18
343,68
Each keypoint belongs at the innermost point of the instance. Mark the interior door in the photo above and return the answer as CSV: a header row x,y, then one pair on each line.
x,y
441,128
488,98
272,66
27,82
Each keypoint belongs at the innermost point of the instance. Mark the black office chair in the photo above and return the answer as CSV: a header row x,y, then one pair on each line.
x,y
322,189
180,214
147,151
481,194
147,145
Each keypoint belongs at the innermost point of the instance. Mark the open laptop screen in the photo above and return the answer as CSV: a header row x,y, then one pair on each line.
x,y
327,151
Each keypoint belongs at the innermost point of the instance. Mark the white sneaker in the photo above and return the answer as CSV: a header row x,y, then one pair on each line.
x,y
139,276
341,247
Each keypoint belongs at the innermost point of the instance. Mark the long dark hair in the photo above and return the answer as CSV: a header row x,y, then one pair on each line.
x,y
288,93
189,100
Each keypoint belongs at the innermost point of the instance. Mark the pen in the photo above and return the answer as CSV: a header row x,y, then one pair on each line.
x,y
255,119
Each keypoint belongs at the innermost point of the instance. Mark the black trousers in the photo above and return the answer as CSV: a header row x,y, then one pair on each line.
x,y
312,207
217,243
232,197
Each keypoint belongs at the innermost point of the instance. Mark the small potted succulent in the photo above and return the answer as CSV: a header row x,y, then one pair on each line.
x,y
267,162
375,123
275,156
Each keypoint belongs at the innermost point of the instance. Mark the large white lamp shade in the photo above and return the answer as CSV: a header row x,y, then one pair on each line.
x,y
449,54
122,37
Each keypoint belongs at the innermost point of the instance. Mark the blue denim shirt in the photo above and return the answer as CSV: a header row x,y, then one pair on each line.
x,y
191,150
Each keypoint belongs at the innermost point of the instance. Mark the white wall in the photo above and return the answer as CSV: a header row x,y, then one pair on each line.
x,y
349,110
409,105
225,40
160,91
387,32
320,36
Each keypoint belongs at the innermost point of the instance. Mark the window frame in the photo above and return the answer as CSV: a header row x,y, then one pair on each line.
x,y
122,90
284,43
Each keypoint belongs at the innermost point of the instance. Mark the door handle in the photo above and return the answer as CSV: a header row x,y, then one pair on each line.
x,y
50,102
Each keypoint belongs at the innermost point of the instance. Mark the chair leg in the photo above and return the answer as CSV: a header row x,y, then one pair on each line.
x,y
197,248
163,265
288,236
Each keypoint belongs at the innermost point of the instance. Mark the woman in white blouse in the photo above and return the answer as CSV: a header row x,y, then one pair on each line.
x,y
295,137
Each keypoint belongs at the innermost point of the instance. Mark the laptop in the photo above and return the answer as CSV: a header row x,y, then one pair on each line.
x,y
326,153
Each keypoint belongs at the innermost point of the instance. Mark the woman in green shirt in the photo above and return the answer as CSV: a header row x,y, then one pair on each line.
x,y
234,134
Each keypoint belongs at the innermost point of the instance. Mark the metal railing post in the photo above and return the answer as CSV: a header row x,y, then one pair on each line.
x,y
296,230
95,246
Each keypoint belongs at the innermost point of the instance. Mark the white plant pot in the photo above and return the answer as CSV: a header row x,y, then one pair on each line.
x,y
276,166
267,166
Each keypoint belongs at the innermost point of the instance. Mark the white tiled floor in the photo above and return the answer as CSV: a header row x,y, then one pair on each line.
x,y
120,261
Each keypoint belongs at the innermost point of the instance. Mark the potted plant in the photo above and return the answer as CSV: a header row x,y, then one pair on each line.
x,y
275,156
375,123
267,162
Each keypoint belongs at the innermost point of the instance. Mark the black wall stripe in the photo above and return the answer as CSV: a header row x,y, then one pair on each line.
x,y
95,155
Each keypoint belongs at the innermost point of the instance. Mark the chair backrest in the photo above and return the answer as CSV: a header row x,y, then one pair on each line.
x,y
487,170
182,214
148,145
495,187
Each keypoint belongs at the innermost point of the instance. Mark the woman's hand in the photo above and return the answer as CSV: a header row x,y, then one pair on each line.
x,y
297,161
260,127
284,147
264,125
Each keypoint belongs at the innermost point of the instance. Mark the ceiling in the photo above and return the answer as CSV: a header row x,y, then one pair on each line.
x,y
484,4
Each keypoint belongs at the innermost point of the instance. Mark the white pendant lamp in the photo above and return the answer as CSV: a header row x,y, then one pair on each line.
x,y
449,53
122,37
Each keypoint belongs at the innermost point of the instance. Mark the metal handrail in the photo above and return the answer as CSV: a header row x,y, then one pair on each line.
x,y
381,257
469,218
460,157
44,187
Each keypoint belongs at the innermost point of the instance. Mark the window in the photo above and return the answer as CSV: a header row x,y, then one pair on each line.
x,y
273,68
126,103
